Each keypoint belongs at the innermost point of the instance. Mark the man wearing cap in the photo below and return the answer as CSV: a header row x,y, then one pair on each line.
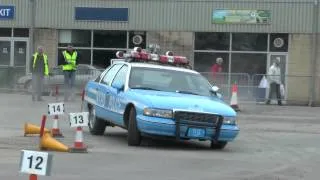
x,y
39,70
69,67
274,77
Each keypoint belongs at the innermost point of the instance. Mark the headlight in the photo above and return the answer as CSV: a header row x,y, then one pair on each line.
x,y
163,113
230,120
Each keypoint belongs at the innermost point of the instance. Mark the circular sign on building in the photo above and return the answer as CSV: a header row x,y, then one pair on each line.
x,y
137,39
278,42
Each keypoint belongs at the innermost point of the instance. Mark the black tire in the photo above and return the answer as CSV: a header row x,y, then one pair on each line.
x,y
96,125
218,145
134,136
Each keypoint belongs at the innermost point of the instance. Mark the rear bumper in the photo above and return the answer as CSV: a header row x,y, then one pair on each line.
x,y
166,127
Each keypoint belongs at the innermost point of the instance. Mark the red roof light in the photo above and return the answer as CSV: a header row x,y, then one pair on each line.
x,y
140,54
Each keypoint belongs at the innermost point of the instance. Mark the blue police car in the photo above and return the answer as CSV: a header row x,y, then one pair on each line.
x,y
150,94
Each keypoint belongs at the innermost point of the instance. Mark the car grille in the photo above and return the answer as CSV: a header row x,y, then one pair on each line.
x,y
197,119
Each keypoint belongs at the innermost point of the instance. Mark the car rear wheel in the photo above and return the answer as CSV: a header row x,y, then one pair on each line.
x,y
134,137
218,145
96,125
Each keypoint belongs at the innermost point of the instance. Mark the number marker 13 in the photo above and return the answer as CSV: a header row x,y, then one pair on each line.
x,y
79,119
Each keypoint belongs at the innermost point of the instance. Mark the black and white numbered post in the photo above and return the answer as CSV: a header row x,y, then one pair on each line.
x,y
79,119
36,163
56,108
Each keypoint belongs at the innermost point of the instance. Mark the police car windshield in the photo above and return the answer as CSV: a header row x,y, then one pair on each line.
x,y
168,80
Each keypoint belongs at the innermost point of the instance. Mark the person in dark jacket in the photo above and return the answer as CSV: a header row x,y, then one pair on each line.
x,y
40,69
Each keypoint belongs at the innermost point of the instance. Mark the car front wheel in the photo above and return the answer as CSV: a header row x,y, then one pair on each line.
x,y
134,137
96,125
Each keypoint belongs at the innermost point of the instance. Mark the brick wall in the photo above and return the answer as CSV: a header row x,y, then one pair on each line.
x,y
48,38
298,80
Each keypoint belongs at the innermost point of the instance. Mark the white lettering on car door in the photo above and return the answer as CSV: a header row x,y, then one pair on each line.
x,y
114,104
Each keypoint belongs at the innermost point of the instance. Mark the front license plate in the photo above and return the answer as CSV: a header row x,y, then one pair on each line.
x,y
196,132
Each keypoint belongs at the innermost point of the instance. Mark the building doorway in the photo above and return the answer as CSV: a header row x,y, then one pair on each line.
x,y
14,61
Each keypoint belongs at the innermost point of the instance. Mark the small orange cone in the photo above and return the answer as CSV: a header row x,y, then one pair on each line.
x,y
49,143
33,129
79,146
234,98
55,131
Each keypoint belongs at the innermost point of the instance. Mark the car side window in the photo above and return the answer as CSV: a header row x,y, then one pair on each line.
x,y
110,74
121,75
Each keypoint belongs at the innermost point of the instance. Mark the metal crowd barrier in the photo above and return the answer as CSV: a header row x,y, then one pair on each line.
x,y
15,80
294,89
252,88
225,81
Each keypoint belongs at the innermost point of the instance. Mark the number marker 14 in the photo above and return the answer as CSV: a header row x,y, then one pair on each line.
x,y
79,119
56,108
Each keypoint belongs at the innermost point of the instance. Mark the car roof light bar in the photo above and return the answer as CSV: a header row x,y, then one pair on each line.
x,y
139,54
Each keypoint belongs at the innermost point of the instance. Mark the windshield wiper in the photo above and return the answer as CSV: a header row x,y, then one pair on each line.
x,y
145,88
186,92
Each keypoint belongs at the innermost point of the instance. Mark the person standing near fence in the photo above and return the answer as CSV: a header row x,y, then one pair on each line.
x,y
69,67
216,69
274,77
40,69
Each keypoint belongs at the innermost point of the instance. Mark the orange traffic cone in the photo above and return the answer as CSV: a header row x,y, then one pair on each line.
x,y
79,146
33,129
49,143
55,131
234,98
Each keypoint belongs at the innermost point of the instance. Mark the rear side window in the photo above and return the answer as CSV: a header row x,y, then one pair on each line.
x,y
107,79
121,75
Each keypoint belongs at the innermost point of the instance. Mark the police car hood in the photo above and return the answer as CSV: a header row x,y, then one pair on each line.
x,y
173,100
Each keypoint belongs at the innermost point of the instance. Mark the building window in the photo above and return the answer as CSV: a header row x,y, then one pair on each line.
x,y
21,32
279,42
78,38
212,41
110,39
84,56
5,32
249,42
101,58
205,60
248,63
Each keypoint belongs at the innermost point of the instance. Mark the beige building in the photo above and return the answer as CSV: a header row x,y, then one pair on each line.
x,y
247,35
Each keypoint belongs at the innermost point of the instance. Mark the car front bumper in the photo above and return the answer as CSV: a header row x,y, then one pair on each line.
x,y
167,127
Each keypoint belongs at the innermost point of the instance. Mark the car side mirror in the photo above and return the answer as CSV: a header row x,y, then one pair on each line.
x,y
215,88
117,85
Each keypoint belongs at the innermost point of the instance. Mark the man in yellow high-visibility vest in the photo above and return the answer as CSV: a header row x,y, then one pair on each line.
x,y
69,68
40,69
